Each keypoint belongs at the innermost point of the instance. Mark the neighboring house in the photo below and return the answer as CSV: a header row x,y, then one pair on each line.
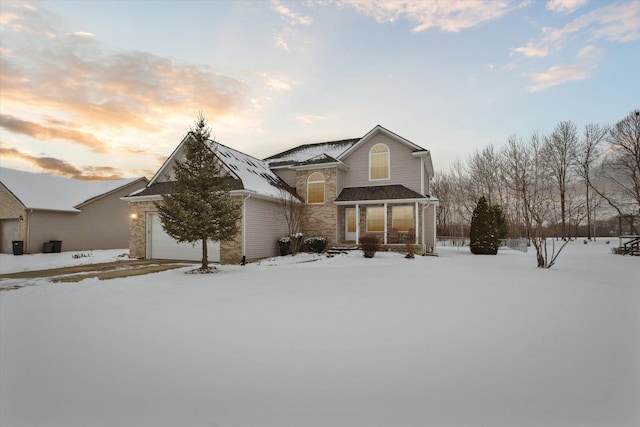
x,y
84,215
375,184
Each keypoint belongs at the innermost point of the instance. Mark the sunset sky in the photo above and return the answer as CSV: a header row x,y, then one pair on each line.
x,y
107,89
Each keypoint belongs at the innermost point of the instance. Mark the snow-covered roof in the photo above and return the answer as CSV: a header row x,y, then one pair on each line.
x,y
41,191
254,173
303,153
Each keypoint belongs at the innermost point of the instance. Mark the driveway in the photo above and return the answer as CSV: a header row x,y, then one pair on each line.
x,y
103,271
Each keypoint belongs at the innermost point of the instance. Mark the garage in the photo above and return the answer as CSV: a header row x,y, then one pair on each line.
x,y
162,246
9,231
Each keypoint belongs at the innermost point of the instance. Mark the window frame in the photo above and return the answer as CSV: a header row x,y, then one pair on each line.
x,y
409,208
317,182
379,154
370,209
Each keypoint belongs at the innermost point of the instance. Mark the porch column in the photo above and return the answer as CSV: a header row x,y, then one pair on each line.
x,y
385,224
357,223
417,222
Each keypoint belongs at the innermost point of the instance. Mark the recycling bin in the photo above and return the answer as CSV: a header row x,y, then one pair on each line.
x,y
57,246
18,247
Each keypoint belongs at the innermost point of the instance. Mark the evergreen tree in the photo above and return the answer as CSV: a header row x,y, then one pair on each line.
x,y
501,221
484,233
199,207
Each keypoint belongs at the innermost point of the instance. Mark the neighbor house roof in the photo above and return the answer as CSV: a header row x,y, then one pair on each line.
x,y
48,192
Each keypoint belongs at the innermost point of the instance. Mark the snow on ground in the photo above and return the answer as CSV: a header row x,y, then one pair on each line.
x,y
454,340
28,262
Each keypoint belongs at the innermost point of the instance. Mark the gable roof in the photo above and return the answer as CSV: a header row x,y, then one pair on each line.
x,y
48,192
307,152
251,174
336,151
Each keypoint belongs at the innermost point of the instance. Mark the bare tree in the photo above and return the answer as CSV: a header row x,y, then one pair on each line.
x,y
624,157
560,149
527,177
442,188
587,155
292,209
485,174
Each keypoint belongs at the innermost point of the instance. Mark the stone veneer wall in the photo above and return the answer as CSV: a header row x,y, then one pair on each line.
x,y
138,227
319,219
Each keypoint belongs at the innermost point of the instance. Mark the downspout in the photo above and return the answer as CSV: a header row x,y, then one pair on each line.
x,y
27,248
244,229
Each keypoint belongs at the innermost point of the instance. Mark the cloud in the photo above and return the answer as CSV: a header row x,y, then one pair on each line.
x,y
309,118
63,168
448,16
590,52
58,130
618,22
278,84
565,5
532,51
290,16
557,75
95,92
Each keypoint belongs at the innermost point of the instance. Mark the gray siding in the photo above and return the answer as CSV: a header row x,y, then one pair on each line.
x,y
264,224
405,169
102,224
287,175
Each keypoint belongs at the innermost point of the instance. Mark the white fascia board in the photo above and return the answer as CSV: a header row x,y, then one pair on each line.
x,y
377,202
255,195
165,165
337,164
425,155
151,197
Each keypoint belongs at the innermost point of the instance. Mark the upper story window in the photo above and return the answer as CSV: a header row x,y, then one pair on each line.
x,y
379,162
315,188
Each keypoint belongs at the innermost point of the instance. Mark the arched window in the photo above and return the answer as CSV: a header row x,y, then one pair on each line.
x,y
315,188
379,162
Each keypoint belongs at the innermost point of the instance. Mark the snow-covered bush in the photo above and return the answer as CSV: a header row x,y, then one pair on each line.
x,y
290,244
370,243
316,244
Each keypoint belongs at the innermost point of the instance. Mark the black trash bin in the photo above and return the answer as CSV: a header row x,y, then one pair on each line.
x,y
47,248
18,247
57,246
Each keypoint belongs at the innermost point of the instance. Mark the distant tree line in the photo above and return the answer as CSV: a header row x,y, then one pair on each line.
x,y
558,185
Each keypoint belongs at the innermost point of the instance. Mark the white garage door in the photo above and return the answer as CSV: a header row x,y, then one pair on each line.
x,y
9,231
163,246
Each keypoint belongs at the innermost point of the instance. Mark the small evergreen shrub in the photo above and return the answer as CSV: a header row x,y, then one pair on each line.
x,y
370,243
284,245
290,245
316,244
484,231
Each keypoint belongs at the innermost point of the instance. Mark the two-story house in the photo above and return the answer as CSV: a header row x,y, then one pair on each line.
x,y
378,183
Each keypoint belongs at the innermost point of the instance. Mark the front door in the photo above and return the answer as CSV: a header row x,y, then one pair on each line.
x,y
350,224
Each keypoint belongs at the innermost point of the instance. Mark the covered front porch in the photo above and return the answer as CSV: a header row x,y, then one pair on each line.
x,y
399,221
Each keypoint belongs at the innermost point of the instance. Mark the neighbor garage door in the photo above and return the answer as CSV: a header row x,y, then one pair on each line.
x,y
163,246
9,231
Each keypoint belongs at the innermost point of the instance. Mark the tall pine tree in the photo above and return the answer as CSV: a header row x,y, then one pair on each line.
x,y
484,231
199,207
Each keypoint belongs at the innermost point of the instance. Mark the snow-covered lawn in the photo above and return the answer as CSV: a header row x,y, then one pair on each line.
x,y
455,340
